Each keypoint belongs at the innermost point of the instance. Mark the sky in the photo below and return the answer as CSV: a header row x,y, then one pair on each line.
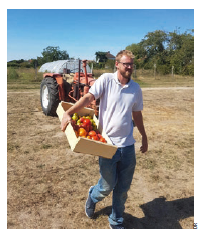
x,y
83,32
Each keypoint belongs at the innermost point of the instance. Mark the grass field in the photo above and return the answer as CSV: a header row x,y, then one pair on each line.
x,y
29,79
47,184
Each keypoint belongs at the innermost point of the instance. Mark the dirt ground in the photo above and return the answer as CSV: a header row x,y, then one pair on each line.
x,y
47,184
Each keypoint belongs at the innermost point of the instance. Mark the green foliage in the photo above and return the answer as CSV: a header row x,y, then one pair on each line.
x,y
12,74
165,50
110,64
49,54
101,56
53,54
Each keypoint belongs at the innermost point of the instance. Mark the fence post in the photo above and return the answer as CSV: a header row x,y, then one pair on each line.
x,y
154,70
135,72
172,71
35,69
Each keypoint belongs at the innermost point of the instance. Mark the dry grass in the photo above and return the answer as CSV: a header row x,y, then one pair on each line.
x,y
48,183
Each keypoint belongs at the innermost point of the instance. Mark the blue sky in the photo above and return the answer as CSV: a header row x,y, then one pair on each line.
x,y
82,32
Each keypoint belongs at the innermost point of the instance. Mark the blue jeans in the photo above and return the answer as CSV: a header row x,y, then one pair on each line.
x,y
116,174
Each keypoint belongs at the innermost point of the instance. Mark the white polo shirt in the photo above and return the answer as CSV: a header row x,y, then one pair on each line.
x,y
116,106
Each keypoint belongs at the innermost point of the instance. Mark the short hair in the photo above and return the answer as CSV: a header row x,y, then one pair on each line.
x,y
122,53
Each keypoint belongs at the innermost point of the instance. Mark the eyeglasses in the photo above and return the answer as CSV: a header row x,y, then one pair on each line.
x,y
127,64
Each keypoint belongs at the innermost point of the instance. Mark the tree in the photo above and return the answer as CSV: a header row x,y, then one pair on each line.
x,y
165,50
139,52
154,44
181,52
101,56
53,54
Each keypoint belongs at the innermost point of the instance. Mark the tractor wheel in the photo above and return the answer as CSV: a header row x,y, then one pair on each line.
x,y
49,96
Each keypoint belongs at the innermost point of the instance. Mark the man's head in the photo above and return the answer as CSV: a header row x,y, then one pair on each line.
x,y
124,63
124,53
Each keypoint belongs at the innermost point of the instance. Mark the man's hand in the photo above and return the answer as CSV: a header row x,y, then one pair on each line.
x,y
82,102
65,121
138,119
144,146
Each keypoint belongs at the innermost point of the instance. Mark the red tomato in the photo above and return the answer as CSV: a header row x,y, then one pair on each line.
x,y
76,127
90,127
95,138
81,119
83,126
92,133
87,128
103,140
87,121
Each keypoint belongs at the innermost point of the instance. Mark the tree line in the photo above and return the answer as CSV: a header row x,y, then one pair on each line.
x,y
164,51
49,54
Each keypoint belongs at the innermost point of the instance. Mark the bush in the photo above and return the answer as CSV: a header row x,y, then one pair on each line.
x,y
12,74
164,69
188,70
110,64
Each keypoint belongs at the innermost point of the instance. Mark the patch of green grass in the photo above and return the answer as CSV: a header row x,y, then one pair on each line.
x,y
27,78
23,78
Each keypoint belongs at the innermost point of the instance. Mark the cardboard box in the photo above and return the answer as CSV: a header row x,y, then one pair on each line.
x,y
84,145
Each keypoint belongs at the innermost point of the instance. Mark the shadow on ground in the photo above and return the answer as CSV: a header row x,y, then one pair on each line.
x,y
159,214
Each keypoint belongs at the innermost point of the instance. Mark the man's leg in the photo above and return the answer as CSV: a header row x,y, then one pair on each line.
x,y
108,179
125,171
106,183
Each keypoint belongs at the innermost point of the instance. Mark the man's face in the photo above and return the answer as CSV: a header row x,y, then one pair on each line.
x,y
125,66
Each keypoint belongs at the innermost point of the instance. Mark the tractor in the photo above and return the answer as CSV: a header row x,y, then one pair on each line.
x,y
65,80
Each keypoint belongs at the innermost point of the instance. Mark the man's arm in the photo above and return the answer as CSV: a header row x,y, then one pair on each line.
x,y
138,119
83,102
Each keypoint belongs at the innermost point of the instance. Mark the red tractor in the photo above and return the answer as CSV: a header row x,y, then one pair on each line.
x,y
68,81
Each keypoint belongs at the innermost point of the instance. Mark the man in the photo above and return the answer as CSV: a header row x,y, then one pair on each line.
x,y
120,100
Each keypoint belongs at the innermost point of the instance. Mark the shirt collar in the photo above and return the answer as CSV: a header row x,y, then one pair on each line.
x,y
117,81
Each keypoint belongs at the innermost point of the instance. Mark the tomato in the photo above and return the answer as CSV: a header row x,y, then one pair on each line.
x,y
82,132
97,131
92,133
90,127
87,121
103,140
83,126
95,138
81,119
75,127
73,122
89,137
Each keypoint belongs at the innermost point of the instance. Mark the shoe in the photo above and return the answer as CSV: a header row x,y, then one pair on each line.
x,y
90,206
121,226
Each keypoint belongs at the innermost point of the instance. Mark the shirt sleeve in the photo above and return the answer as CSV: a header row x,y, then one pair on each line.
x,y
138,105
98,87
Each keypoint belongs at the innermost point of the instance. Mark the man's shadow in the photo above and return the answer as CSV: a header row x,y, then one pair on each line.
x,y
159,214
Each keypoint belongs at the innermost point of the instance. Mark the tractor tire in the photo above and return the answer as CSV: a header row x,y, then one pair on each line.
x,y
49,96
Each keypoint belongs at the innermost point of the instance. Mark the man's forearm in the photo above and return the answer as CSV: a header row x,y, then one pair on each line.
x,y
82,102
138,119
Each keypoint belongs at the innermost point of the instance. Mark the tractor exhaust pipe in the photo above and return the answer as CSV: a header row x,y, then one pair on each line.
x,y
86,87
78,88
